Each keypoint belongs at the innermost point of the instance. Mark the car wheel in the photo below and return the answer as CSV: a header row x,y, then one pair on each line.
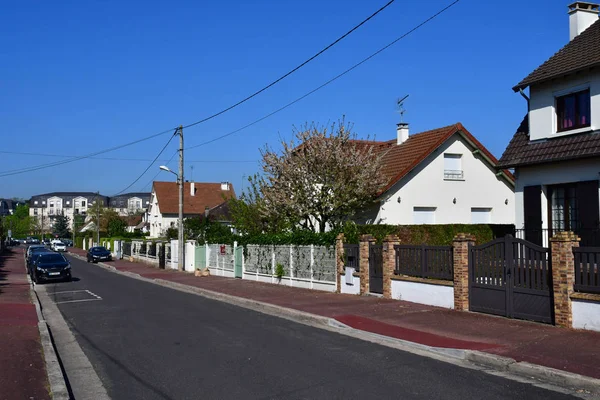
x,y
35,279
88,259
68,278
95,261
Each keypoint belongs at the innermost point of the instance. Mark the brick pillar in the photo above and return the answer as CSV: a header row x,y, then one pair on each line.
x,y
389,263
339,261
364,262
460,253
563,271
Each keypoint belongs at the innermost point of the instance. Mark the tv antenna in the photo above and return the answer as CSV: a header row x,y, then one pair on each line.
x,y
401,109
192,174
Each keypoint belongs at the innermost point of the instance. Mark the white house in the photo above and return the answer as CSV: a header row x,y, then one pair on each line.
x,y
441,176
199,198
555,152
130,203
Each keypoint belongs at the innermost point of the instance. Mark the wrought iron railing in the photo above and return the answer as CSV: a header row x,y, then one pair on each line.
x,y
351,256
453,174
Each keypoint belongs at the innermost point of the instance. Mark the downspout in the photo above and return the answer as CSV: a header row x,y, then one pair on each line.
x,y
525,97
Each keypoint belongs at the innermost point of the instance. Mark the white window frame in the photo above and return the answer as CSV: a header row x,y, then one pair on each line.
x,y
478,212
453,168
421,218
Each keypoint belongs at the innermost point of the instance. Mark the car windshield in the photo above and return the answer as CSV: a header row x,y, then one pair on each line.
x,y
59,243
51,258
37,248
98,249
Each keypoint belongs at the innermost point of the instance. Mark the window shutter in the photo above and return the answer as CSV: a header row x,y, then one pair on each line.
x,y
587,210
532,204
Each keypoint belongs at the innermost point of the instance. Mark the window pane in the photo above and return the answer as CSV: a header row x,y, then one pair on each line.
x,y
583,108
558,209
572,209
481,215
566,109
424,215
452,162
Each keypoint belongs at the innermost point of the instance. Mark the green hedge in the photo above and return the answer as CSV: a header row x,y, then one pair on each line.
x,y
433,235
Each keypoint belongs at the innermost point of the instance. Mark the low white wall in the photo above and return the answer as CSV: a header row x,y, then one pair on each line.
x,y
349,284
228,273
586,315
423,293
293,282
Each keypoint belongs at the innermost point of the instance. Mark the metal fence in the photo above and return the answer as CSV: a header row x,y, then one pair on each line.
x,y
587,273
589,236
126,249
434,262
351,256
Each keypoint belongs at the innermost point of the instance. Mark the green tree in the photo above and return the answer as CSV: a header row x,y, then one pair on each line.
x,y
116,227
207,230
20,223
61,226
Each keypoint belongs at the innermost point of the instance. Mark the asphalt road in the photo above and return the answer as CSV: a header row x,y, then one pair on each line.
x,y
150,342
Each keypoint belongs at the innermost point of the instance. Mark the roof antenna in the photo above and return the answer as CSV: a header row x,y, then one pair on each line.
x,y
192,174
401,109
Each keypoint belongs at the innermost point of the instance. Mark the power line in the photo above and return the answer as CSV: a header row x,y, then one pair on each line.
x,y
119,158
155,176
329,81
42,166
73,159
150,165
293,70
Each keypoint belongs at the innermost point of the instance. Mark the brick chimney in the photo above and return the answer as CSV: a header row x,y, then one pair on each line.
x,y
402,132
581,16
192,189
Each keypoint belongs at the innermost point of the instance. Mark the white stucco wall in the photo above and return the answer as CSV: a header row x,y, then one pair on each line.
x,y
551,174
425,186
586,315
423,293
349,284
542,115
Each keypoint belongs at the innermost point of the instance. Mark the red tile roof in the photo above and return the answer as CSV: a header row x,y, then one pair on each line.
x,y
580,53
207,195
399,160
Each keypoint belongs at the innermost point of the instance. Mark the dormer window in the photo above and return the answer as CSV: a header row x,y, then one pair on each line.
x,y
573,111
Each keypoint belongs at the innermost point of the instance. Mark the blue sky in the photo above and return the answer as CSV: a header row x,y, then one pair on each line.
x,y
82,76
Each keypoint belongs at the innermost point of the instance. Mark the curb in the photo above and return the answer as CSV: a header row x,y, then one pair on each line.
x,y
465,358
56,379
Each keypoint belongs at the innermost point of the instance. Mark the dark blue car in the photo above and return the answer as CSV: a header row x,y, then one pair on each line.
x,y
98,253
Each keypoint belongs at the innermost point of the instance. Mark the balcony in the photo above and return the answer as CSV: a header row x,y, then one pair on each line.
x,y
453,175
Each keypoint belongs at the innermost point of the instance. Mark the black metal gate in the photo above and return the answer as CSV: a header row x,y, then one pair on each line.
x,y
126,247
512,278
352,256
161,256
375,268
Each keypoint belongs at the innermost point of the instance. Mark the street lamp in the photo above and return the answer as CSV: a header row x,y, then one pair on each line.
x,y
181,243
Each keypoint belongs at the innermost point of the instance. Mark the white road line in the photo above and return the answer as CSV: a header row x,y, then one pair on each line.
x,y
94,294
76,301
69,291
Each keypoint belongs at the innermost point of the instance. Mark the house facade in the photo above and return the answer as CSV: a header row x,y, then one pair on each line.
x,y
130,203
441,176
8,206
555,152
199,198
46,207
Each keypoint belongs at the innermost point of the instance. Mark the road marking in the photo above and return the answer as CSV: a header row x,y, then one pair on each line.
x,y
70,291
76,301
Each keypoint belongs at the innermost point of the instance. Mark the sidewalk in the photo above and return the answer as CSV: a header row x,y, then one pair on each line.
x,y
564,349
22,364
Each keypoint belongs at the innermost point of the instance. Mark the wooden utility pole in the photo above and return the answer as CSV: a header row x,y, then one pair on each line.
x,y
97,219
181,244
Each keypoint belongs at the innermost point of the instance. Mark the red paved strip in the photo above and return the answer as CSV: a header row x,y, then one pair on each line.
x,y
18,314
411,335
22,365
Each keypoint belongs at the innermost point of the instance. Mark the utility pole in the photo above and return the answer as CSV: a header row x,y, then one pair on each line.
x,y
43,224
181,256
97,219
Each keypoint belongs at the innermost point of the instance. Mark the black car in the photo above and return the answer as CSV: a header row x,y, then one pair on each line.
x,y
34,249
98,253
51,266
32,259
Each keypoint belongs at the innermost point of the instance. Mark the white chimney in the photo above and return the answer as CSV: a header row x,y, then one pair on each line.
x,y
192,189
224,185
402,131
581,16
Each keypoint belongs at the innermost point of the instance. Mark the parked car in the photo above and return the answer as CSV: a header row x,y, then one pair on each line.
x,y
51,266
67,242
98,253
33,248
59,246
31,260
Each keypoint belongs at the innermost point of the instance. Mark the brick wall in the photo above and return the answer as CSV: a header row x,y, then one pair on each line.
x,y
460,246
389,263
339,261
563,270
364,262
